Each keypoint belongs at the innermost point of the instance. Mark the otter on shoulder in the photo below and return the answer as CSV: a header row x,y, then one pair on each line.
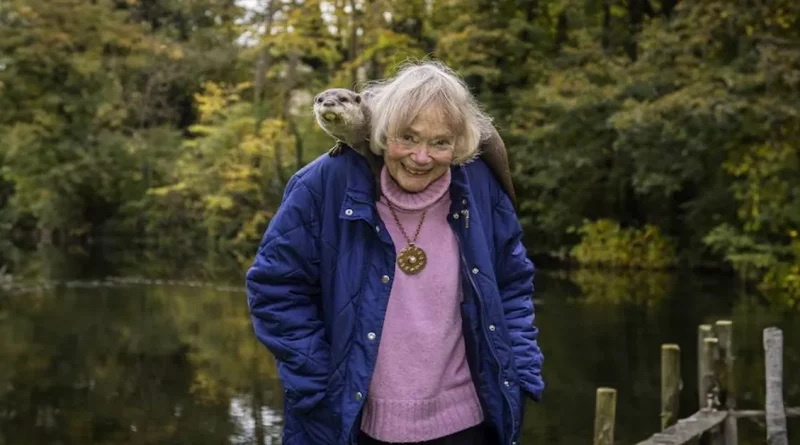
x,y
344,116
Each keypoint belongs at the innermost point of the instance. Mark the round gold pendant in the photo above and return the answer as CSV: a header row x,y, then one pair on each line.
x,y
412,259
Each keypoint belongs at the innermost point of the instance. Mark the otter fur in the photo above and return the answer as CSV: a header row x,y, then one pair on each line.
x,y
344,115
493,152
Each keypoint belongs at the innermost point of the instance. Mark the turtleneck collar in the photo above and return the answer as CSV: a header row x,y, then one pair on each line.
x,y
404,200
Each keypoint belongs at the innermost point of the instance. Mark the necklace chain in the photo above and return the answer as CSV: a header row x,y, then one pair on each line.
x,y
400,226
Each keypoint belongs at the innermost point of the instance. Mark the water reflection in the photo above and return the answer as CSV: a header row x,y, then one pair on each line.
x,y
180,365
133,365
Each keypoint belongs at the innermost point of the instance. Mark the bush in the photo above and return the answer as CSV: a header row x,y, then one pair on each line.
x,y
604,243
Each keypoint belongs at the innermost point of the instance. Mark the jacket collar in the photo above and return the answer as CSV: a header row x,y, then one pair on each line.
x,y
359,197
460,192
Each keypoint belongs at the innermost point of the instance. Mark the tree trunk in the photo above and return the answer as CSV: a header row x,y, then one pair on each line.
x,y
667,6
291,83
264,61
635,17
561,29
606,37
353,47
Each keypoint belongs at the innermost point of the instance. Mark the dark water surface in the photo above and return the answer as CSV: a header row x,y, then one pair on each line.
x,y
149,363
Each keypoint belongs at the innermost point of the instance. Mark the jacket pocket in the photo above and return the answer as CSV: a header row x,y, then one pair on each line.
x,y
314,419
318,424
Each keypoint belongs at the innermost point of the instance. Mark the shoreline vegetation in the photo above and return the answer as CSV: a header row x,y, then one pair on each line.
x,y
644,136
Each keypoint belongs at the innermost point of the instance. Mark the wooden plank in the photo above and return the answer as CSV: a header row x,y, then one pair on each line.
x,y
790,412
687,429
773,362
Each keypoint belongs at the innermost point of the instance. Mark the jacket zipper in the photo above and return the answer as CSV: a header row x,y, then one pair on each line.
x,y
483,331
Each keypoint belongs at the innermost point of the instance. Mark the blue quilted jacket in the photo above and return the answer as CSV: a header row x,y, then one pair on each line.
x,y
320,283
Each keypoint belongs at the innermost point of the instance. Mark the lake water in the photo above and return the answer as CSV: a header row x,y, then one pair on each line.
x,y
177,363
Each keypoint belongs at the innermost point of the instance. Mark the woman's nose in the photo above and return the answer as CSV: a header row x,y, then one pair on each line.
x,y
420,155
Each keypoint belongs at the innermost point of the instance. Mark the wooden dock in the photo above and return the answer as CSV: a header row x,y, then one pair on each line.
x,y
715,422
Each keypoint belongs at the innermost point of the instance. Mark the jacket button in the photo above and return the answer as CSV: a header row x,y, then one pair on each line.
x,y
377,228
348,212
385,279
491,327
359,395
474,270
455,215
371,336
505,382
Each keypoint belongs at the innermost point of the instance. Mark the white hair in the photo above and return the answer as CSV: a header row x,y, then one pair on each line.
x,y
394,103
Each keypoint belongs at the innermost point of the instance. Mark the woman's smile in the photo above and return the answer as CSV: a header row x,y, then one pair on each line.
x,y
414,171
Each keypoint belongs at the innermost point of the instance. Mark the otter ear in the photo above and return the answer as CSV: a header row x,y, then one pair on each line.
x,y
358,98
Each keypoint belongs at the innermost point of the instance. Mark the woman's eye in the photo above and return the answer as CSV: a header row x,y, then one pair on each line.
x,y
443,144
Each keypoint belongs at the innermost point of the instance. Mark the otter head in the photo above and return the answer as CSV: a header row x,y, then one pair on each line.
x,y
338,111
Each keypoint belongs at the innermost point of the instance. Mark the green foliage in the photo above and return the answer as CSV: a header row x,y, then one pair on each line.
x,y
80,80
742,250
181,121
781,283
223,184
604,243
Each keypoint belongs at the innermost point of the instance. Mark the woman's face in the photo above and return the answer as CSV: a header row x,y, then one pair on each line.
x,y
422,154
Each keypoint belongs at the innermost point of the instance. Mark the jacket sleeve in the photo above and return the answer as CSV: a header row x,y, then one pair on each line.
x,y
283,291
515,274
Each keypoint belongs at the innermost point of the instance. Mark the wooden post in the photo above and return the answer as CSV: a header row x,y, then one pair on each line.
x,y
709,376
724,330
604,416
703,331
773,360
670,384
711,381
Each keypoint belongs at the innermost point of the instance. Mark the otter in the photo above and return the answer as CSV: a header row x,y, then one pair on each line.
x,y
344,115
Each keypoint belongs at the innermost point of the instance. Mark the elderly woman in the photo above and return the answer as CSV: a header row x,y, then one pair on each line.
x,y
409,319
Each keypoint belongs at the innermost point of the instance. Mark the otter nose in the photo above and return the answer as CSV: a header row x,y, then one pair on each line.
x,y
329,103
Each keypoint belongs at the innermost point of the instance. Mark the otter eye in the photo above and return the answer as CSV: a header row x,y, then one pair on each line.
x,y
343,100
319,99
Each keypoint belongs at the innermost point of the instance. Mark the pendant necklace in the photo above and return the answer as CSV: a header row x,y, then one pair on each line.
x,y
411,259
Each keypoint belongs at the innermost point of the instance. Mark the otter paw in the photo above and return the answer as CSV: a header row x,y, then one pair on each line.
x,y
336,150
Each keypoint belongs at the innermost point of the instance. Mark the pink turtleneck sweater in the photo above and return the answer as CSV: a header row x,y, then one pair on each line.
x,y
421,388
